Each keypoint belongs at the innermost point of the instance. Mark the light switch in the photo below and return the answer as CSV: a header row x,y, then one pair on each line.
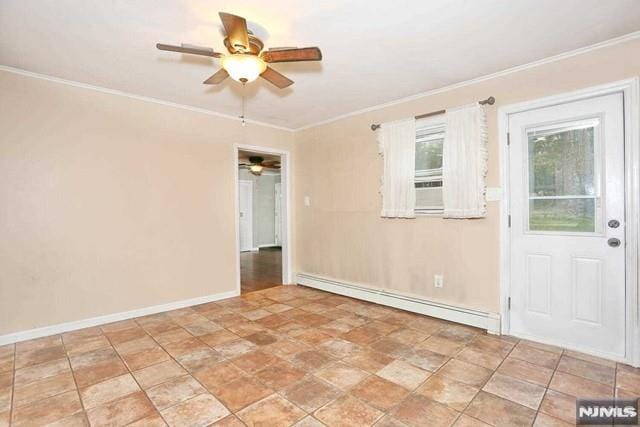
x,y
307,201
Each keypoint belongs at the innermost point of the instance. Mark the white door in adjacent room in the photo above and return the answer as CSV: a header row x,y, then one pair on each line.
x,y
245,203
567,201
278,213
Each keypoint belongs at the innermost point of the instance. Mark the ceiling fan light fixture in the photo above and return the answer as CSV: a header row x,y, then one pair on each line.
x,y
256,169
243,67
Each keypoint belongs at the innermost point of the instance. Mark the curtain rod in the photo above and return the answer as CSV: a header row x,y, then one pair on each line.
x,y
490,101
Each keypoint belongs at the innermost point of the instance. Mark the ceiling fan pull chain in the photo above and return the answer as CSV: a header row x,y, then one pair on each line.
x,y
244,123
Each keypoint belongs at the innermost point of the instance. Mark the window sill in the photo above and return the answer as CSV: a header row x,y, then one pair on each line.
x,y
430,213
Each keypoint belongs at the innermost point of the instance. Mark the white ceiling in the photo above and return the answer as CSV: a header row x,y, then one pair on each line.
x,y
375,51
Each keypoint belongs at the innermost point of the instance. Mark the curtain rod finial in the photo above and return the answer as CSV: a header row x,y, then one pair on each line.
x,y
375,127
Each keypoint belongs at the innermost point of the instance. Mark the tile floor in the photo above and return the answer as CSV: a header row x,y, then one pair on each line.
x,y
296,356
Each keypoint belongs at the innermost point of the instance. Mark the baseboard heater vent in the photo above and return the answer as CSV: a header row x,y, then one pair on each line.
x,y
479,319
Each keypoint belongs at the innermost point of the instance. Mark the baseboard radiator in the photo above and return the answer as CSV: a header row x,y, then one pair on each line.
x,y
465,316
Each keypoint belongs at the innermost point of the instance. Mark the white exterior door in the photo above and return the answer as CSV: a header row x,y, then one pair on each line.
x,y
245,207
567,258
278,214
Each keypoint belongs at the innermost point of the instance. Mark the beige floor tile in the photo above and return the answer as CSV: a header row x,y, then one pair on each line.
x,y
144,358
467,421
465,372
578,386
39,344
449,392
254,361
497,411
418,411
425,359
559,405
404,374
228,421
348,412
184,347
76,420
280,375
48,410
261,338
443,346
121,412
368,360
544,420
628,378
77,346
176,334
202,328
99,372
273,411
589,358
379,393
589,370
389,421
241,393
486,360
362,335
216,375
409,336
39,372
521,392
536,356
339,348
153,420
526,371
174,391
390,347
126,334
38,390
235,348
219,337
157,374
491,345
312,360
199,359
341,375
36,356
108,391
310,393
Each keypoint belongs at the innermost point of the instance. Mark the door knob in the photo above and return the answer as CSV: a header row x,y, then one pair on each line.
x,y
613,242
613,223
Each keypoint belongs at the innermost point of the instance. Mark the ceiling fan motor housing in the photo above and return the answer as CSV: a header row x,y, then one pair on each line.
x,y
256,160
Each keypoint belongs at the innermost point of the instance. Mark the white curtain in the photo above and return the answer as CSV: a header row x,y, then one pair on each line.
x,y
397,144
464,162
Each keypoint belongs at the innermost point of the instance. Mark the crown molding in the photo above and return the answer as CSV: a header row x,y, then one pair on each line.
x,y
505,72
540,62
73,83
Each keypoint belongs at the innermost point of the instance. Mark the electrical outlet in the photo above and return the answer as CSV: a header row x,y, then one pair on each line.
x,y
438,281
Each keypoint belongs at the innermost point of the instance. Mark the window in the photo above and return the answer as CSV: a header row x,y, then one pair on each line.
x,y
428,179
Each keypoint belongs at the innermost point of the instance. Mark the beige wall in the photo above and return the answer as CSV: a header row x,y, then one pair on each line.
x,y
110,204
341,235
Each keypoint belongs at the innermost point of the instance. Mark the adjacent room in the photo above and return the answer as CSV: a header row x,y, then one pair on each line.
x,y
260,220
338,213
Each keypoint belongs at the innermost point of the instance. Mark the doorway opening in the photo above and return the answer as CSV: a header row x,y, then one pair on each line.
x,y
262,200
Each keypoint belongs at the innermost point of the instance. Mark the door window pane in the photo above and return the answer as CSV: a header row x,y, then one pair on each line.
x,y
563,178
573,215
562,163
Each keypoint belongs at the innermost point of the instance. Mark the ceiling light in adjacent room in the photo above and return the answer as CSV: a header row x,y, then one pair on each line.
x,y
256,169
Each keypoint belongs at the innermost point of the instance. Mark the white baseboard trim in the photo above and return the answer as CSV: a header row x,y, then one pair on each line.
x,y
465,316
270,245
110,318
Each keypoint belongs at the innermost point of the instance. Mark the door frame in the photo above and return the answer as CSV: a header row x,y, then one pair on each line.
x,y
250,183
285,208
630,89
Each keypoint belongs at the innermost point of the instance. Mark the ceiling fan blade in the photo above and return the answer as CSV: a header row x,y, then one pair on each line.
x,y
194,50
276,78
292,55
217,77
236,29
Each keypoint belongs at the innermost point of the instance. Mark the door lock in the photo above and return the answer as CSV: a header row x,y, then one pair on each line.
x,y
613,223
613,242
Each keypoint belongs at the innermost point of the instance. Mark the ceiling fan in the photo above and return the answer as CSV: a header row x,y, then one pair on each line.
x,y
246,59
257,164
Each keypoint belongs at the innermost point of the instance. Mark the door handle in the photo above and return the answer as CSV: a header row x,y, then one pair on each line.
x,y
613,223
613,242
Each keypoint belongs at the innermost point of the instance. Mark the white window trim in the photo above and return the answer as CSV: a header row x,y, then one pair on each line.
x,y
427,123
